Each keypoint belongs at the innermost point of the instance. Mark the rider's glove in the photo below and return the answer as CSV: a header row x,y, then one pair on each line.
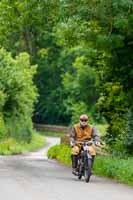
x,y
97,143
72,143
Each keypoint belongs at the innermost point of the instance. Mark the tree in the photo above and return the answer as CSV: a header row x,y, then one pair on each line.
x,y
17,96
106,27
28,26
83,49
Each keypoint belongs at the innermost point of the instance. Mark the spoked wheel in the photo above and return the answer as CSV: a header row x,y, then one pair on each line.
x,y
80,171
87,171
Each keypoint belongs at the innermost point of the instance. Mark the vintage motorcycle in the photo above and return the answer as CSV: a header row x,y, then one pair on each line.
x,y
85,161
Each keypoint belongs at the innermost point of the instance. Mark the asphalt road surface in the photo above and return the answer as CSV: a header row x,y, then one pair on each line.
x,y
34,177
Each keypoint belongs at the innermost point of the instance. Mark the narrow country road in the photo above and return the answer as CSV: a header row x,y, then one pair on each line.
x,y
32,176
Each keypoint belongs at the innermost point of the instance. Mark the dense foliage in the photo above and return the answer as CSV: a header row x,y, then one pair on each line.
x,y
83,50
11,146
17,96
104,29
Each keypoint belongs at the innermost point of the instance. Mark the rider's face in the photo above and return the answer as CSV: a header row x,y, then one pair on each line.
x,y
83,122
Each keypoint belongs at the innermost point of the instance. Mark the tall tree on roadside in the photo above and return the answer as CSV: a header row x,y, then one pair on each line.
x,y
28,26
17,96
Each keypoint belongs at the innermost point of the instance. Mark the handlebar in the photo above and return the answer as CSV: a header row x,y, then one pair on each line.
x,y
89,143
85,142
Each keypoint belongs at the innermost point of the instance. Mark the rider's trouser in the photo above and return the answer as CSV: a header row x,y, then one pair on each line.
x,y
74,159
75,153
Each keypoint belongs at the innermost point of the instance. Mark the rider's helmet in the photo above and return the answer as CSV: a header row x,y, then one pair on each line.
x,y
83,120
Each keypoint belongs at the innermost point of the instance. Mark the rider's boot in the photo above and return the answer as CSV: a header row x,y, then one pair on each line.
x,y
74,164
75,172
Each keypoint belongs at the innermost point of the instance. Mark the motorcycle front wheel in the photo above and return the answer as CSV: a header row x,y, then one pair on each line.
x,y
87,171
81,171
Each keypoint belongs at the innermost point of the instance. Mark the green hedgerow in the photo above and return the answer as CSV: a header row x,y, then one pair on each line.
x,y
61,153
10,146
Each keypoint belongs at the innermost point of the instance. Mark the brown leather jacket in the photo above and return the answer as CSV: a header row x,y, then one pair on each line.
x,y
79,133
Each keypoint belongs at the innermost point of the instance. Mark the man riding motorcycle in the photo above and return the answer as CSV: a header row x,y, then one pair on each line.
x,y
82,131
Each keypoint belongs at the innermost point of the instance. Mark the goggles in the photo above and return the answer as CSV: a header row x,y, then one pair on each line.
x,y
83,120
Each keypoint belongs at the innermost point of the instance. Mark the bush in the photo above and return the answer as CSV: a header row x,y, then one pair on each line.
x,y
17,96
10,146
119,169
61,153
128,143
3,130
113,105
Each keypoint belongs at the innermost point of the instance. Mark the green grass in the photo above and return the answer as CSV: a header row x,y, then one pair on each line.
x,y
51,134
60,153
11,146
116,168
112,167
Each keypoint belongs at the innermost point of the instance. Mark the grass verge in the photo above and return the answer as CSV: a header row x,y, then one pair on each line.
x,y
12,147
51,134
115,168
